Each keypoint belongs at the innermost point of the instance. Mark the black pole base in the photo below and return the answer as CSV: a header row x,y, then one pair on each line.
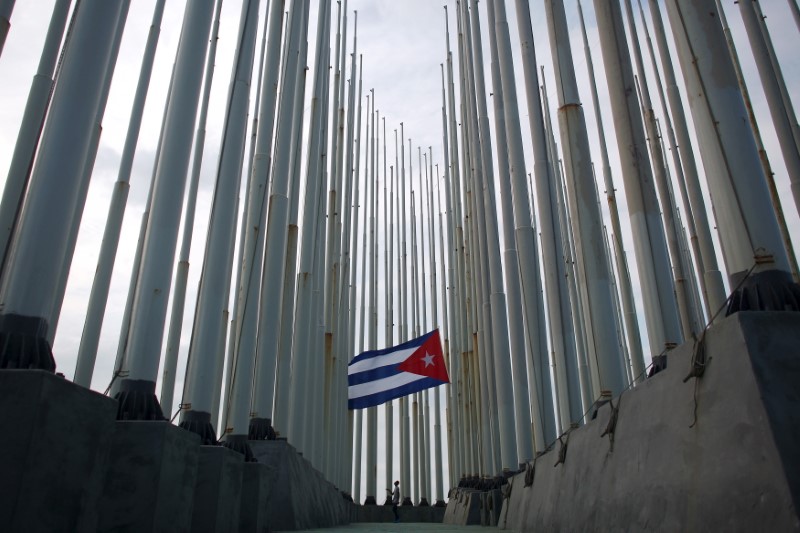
x,y
370,501
407,501
423,502
769,290
137,400
199,422
238,443
388,501
261,429
23,343
440,503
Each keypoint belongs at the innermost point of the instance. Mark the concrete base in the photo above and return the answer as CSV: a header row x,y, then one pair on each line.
x,y
383,513
253,516
151,478
715,453
217,490
463,507
299,496
54,452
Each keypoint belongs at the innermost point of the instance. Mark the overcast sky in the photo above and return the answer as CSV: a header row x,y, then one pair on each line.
x,y
402,43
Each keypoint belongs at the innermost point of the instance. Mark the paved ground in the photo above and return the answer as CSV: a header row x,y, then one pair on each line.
x,y
401,528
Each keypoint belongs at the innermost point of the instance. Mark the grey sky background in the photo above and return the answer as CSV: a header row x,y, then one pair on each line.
x,y
402,44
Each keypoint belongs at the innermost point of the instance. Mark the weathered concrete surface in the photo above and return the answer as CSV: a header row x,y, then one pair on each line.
x,y
408,513
719,453
151,477
217,490
255,494
463,507
54,452
299,496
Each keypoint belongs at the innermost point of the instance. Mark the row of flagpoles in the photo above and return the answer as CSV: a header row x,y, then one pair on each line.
x,y
537,328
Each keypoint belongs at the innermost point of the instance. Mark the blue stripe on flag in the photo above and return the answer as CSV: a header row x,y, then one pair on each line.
x,y
390,394
372,375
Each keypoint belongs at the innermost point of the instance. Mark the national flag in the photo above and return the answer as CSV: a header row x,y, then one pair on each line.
x,y
378,376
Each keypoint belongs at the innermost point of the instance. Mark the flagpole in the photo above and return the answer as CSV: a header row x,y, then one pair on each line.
x,y
437,407
773,190
30,131
685,308
455,247
448,298
369,248
479,307
585,375
778,100
208,334
405,466
524,232
652,258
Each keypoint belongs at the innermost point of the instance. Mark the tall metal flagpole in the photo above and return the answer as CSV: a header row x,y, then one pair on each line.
x,y
87,352
30,128
751,241
780,105
352,179
136,392
213,294
339,296
482,333
253,218
773,190
297,327
565,361
592,267
516,445
372,331
523,401
405,458
628,305
448,303
169,372
680,178
33,279
230,357
388,238
314,451
661,310
461,344
668,213
339,271
276,231
586,375
524,231
437,466
86,174
707,257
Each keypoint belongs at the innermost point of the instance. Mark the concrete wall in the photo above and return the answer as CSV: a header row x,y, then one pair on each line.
x,y
719,453
53,453
299,496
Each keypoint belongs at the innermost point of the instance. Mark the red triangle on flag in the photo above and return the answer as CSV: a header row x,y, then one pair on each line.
x,y
427,360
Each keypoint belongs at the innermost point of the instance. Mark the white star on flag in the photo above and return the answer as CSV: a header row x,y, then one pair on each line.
x,y
428,360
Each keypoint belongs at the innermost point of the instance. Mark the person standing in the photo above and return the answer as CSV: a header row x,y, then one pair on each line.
x,y
396,500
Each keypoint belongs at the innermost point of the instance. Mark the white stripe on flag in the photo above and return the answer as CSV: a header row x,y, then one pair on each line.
x,y
380,385
381,360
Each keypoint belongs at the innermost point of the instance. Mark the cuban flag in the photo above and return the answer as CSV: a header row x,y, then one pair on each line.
x,y
378,376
